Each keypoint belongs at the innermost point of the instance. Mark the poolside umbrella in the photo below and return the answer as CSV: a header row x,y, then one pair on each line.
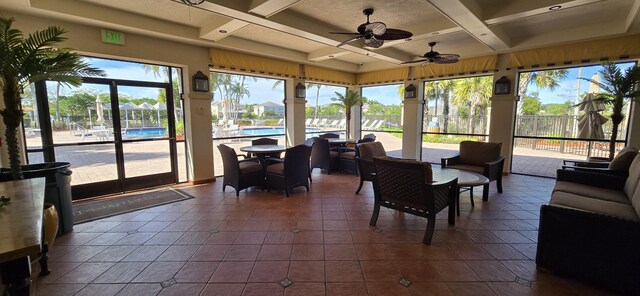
x,y
590,123
99,110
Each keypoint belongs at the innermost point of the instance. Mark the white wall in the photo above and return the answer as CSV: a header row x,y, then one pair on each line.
x,y
87,39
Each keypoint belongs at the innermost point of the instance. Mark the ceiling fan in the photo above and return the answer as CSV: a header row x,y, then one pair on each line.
x,y
434,57
375,33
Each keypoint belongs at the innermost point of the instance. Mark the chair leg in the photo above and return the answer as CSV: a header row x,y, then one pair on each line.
x,y
310,180
374,216
428,234
224,187
485,192
471,196
359,187
499,184
237,193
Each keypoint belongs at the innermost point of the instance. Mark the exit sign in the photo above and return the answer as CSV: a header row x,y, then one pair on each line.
x,y
112,37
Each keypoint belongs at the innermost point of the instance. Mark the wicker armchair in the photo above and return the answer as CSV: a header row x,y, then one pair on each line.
x,y
479,157
349,154
322,157
309,143
292,171
407,186
240,174
329,136
368,151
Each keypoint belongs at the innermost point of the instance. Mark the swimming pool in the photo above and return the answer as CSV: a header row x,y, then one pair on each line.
x,y
144,132
260,131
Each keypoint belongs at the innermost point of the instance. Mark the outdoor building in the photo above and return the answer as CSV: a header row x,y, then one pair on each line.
x,y
427,76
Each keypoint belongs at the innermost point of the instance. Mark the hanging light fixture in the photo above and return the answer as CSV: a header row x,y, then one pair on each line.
x,y
192,2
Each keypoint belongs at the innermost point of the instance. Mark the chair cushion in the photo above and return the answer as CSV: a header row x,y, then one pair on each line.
x,y
247,167
334,154
348,155
592,192
372,150
478,153
631,185
623,160
594,205
277,168
467,167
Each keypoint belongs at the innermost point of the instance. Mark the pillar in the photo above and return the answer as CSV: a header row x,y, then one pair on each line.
x,y
295,121
412,119
356,117
503,109
198,130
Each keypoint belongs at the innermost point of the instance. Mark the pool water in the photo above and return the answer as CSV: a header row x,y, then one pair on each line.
x,y
144,132
261,131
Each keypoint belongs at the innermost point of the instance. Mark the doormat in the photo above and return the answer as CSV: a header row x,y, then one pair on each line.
x,y
92,210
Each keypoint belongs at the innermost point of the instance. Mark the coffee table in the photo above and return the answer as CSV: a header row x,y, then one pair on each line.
x,y
466,181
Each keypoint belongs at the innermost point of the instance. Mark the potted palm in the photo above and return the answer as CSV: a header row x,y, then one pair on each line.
x,y
28,60
352,98
617,87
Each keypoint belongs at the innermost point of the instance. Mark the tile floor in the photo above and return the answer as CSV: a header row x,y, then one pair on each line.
x,y
315,243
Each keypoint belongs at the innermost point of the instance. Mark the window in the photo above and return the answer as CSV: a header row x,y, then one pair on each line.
x,y
321,113
455,110
382,115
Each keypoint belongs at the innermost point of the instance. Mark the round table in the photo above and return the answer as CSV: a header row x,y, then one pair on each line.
x,y
263,149
340,141
466,181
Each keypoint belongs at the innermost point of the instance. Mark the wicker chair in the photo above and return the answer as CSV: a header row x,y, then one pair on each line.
x,y
369,136
349,154
322,157
292,171
407,186
265,141
479,157
240,174
329,136
368,151
309,143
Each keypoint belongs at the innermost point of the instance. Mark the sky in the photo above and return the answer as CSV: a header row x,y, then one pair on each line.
x,y
261,90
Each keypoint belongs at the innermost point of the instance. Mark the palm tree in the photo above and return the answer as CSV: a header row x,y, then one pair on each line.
x,y
473,92
238,91
548,79
28,60
347,101
317,86
617,87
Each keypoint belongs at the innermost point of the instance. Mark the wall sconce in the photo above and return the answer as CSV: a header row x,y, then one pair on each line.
x,y
503,86
200,82
410,91
301,91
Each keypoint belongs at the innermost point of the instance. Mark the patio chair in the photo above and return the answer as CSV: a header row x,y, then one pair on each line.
x,y
364,161
334,123
377,125
265,141
315,122
479,157
407,186
323,122
240,174
349,154
290,172
342,123
307,122
619,165
322,157
370,126
309,143
364,123
369,136
329,136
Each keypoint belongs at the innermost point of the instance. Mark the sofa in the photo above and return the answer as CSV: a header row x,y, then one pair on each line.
x,y
590,230
619,165
479,157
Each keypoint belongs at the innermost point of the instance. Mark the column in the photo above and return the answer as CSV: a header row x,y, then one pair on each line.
x,y
356,117
295,128
198,127
503,109
412,119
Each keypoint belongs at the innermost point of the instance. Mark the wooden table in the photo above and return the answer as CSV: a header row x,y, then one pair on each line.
x,y
340,141
20,232
466,181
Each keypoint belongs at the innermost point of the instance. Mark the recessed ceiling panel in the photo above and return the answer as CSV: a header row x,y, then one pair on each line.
x,y
458,43
276,38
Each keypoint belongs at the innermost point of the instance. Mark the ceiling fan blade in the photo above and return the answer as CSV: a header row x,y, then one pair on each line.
x,y
394,34
373,42
446,58
345,33
350,40
377,28
416,61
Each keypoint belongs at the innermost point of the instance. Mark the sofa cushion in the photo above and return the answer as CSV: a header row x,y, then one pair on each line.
x,y
334,154
635,199
578,202
623,160
348,155
592,192
478,153
467,167
631,185
277,168
247,167
371,150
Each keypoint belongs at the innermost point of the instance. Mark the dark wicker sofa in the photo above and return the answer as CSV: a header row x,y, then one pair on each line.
x,y
591,229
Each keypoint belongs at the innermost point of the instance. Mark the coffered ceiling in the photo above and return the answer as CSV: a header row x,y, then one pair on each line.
x,y
298,30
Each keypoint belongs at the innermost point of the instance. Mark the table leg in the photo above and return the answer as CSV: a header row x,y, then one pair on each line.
x,y
16,275
471,195
454,200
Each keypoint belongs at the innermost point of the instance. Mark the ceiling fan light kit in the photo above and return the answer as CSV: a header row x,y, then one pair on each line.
x,y
374,34
192,2
434,57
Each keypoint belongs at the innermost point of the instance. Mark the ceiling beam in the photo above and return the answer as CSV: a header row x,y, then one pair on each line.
x,y
468,17
516,11
633,15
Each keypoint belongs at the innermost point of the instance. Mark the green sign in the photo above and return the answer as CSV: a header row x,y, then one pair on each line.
x,y
113,37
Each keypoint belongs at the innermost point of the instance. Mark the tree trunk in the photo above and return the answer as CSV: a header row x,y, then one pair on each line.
x,y
347,113
315,115
12,116
612,143
445,113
